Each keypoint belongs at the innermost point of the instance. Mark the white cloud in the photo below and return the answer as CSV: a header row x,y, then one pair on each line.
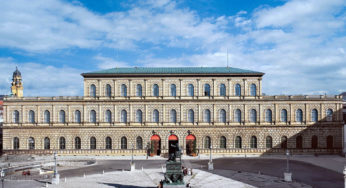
x,y
41,80
108,63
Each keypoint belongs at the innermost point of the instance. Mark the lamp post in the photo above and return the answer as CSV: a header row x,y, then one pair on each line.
x,y
210,164
288,174
56,176
2,174
132,164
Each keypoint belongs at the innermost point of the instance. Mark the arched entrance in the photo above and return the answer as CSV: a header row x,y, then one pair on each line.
x,y
172,143
191,145
155,147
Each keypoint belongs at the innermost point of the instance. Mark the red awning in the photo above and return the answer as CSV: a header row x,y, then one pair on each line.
x,y
155,137
190,137
173,137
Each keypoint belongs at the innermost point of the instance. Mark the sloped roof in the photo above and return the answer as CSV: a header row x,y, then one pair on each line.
x,y
172,70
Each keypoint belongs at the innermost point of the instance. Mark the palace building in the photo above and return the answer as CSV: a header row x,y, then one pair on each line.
x,y
144,108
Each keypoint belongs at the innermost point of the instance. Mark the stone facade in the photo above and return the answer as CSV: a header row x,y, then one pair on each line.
x,y
260,117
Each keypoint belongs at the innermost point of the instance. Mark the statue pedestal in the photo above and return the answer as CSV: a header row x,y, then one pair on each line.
x,y
288,176
174,176
133,166
210,166
56,179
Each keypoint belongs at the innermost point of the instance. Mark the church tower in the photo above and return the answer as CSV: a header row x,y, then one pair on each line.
x,y
17,85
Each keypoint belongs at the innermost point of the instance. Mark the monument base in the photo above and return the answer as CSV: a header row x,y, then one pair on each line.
x,y
56,179
174,174
288,176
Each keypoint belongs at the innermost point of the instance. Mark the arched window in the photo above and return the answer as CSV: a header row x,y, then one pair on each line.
x,y
92,90
299,142
62,116
92,143
156,116
253,116
314,142
173,115
269,142
139,90
15,143
31,142
155,90
329,114
139,117
207,116
253,142
238,142
15,116
62,143
314,115
283,115
108,142
268,115
108,116
207,142
284,142
253,90
206,90
330,143
31,116
222,116
123,90
46,116
77,143
223,142
173,90
108,90
237,90
299,115
77,116
222,90
46,143
93,116
123,142
123,116
139,142
191,116
237,115
190,89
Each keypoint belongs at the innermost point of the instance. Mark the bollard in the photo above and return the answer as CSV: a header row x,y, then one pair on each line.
x,y
142,168
103,171
46,184
84,175
65,180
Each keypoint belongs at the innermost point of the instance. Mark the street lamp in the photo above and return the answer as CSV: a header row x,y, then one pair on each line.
x,y
2,174
210,164
288,174
288,155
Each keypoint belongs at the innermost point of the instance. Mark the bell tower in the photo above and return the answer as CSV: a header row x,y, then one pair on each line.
x,y
17,85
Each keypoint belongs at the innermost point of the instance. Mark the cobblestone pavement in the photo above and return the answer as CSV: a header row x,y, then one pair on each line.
x,y
226,167
315,176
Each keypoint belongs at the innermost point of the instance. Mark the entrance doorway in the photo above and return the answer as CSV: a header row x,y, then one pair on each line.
x,y
172,143
191,145
155,148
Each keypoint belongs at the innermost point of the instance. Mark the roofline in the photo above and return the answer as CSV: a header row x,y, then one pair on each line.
x,y
97,75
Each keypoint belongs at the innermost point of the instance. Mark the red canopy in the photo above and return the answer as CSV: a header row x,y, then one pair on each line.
x,y
190,137
172,137
155,137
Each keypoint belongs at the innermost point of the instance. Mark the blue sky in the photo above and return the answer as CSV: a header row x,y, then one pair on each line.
x,y
300,45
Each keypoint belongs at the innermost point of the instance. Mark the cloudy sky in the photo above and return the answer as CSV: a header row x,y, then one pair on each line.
x,y
300,45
